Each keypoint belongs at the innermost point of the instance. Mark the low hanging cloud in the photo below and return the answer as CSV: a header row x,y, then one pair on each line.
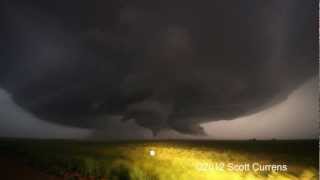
x,y
171,65
16,122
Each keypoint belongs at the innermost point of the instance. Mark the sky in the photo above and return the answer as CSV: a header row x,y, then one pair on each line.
x,y
295,118
18,123
167,69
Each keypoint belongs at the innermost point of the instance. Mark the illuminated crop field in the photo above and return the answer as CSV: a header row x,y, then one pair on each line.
x,y
172,160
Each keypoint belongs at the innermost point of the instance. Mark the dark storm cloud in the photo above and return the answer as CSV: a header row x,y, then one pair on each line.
x,y
164,64
16,122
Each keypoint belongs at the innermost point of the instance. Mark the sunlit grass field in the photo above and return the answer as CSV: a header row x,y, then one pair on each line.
x,y
169,160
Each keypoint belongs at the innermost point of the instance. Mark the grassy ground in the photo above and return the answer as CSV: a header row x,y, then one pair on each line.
x,y
169,160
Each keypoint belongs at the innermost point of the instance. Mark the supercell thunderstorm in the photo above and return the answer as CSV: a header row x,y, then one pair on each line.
x,y
164,65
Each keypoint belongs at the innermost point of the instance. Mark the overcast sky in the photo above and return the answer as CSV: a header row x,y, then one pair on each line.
x,y
137,69
16,122
295,118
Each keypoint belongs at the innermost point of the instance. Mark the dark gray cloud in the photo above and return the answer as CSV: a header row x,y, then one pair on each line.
x,y
165,65
295,118
16,122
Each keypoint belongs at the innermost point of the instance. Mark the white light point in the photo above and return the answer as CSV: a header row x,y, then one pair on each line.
x,y
152,152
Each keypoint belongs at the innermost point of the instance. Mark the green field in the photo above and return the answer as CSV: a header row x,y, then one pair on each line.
x,y
169,160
